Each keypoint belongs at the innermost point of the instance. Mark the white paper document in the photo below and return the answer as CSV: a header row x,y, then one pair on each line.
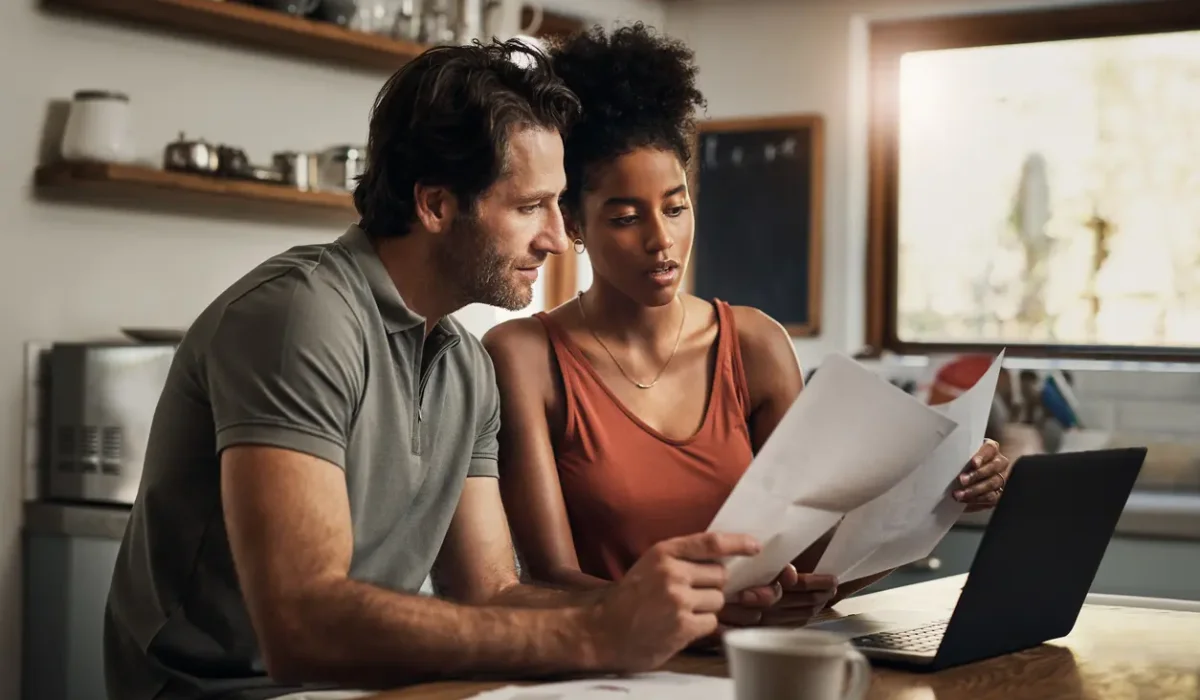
x,y
643,686
848,438
906,523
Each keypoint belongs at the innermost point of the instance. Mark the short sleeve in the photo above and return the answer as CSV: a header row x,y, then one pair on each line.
x,y
285,368
486,454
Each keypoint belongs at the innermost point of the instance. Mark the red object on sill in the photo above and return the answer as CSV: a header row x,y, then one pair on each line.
x,y
956,376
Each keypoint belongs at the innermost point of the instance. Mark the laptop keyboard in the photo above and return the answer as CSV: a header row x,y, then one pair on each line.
x,y
917,639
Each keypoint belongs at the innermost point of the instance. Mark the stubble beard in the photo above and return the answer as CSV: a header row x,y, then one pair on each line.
x,y
483,274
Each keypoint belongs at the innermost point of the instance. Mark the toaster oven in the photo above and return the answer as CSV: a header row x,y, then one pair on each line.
x,y
102,398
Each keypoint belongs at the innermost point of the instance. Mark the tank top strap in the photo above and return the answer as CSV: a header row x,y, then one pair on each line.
x,y
568,369
729,356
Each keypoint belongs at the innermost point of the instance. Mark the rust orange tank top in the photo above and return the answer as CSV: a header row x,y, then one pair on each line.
x,y
627,486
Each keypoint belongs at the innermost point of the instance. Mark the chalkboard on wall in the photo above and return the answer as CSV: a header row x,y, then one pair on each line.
x,y
758,194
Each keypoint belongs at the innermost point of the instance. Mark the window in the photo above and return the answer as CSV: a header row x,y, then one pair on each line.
x,y
1035,182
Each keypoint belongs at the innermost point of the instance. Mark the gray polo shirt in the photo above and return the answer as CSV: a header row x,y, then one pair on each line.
x,y
315,351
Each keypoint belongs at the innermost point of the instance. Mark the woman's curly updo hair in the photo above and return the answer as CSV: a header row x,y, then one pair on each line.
x,y
636,90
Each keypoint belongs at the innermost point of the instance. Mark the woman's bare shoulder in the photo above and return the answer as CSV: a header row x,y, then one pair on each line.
x,y
517,342
525,365
758,333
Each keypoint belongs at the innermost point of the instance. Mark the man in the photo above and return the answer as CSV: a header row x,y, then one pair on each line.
x,y
327,437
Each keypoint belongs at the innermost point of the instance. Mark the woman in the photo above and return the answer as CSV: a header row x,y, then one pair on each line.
x,y
630,413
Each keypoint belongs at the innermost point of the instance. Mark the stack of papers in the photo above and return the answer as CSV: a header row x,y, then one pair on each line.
x,y
855,449
644,686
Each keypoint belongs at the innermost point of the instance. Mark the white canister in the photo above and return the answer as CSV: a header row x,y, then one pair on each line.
x,y
98,127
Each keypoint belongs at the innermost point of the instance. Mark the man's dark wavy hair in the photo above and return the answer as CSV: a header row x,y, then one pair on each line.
x,y
445,118
637,90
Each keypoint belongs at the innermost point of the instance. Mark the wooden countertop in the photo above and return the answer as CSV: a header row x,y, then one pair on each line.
x,y
1113,652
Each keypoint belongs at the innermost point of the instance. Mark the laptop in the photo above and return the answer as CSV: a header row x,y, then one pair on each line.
x,y
1031,573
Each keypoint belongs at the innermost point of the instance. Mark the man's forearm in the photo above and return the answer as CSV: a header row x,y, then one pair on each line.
x,y
357,634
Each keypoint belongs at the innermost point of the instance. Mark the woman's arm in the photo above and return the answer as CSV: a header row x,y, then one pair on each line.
x,y
773,375
529,399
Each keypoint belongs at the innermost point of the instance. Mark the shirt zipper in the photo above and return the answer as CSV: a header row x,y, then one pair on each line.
x,y
424,380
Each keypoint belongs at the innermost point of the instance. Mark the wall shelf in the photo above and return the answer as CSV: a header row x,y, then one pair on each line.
x,y
151,187
255,26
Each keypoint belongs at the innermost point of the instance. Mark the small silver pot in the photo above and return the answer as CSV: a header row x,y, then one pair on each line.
x,y
197,156
339,167
297,169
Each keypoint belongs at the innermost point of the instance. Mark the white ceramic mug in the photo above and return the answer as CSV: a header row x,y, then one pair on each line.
x,y
502,19
794,664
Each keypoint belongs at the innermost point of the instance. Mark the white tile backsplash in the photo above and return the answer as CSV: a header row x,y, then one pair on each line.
x,y
1159,416
1098,415
1138,385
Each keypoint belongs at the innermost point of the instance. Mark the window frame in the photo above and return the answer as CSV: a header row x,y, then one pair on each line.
x,y
888,42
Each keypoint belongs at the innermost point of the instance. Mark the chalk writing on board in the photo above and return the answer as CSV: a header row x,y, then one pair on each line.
x,y
784,149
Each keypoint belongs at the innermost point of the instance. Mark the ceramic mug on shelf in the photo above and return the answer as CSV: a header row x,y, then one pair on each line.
x,y
502,19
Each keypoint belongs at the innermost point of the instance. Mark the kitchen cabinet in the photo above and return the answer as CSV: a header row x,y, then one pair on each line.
x,y
1132,565
70,553
1150,567
66,585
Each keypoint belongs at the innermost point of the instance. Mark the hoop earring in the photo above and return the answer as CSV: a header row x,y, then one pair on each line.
x,y
578,242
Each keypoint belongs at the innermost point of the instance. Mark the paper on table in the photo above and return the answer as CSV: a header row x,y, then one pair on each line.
x,y
849,437
645,686
908,521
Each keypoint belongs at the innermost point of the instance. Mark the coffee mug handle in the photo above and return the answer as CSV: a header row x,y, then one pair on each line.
x,y
859,677
535,22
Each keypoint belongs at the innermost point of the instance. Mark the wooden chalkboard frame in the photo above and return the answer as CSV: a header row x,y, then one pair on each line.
x,y
814,125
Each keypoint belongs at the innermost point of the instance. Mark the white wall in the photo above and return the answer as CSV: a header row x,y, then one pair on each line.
x,y
786,56
75,272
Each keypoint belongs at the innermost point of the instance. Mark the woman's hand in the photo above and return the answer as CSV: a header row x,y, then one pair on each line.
x,y
790,600
801,601
983,481
746,608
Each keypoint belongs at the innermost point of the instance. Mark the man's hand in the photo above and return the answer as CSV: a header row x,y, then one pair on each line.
x,y
982,481
801,601
669,598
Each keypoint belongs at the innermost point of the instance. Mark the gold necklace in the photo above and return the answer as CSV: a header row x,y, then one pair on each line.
x,y
678,336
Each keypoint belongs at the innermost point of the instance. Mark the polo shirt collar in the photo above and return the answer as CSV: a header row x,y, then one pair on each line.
x,y
396,315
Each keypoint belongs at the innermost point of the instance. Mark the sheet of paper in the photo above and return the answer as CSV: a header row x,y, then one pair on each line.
x,y
645,686
849,437
906,523
913,545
